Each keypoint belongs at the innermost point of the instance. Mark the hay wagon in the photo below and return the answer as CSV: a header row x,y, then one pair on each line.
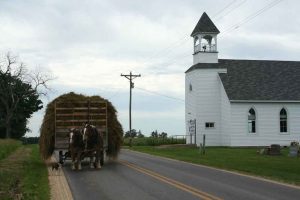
x,y
75,115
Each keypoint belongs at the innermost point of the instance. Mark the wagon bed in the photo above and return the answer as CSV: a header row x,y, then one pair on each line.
x,y
74,115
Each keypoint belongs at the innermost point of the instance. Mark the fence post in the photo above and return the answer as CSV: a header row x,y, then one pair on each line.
x,y
203,144
195,132
200,148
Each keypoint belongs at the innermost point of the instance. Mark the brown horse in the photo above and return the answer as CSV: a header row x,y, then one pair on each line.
x,y
76,147
93,142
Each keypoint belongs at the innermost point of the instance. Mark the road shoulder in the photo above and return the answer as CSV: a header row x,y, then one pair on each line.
x,y
59,187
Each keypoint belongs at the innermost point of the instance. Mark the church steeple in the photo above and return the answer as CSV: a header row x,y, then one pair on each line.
x,y
205,41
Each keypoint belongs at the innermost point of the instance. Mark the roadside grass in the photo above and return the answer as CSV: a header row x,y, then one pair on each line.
x,y
35,176
153,141
246,160
23,175
7,146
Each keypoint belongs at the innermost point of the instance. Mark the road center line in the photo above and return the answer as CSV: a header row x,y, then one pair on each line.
x,y
179,185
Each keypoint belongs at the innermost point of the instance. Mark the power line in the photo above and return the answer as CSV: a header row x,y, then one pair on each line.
x,y
252,16
248,18
114,94
224,8
244,21
233,27
184,38
168,49
175,60
227,13
159,94
171,60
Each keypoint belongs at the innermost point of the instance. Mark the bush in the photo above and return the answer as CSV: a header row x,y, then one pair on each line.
x,y
294,143
30,140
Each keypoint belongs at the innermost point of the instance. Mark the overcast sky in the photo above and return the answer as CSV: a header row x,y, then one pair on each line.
x,y
87,44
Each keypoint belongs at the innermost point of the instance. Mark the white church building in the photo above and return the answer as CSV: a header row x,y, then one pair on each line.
x,y
240,102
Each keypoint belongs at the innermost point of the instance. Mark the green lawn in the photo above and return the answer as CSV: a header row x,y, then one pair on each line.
x,y
23,173
245,160
8,146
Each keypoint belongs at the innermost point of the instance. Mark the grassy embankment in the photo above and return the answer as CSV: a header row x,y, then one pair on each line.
x,y
22,172
246,160
7,147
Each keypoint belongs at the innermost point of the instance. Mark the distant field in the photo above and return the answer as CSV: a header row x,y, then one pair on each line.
x,y
153,141
246,160
22,172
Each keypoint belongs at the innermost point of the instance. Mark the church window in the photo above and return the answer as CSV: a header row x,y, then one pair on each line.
x,y
283,121
251,121
191,87
209,124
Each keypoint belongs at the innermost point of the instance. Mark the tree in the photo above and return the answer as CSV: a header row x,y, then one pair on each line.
x,y
154,134
19,94
127,134
140,135
16,113
132,135
163,134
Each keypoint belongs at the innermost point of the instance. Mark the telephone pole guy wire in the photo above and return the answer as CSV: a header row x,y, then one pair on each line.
x,y
130,77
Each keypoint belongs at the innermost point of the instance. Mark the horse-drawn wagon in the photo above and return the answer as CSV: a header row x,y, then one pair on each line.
x,y
79,116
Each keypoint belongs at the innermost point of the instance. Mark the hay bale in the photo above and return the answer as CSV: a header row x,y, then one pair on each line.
x,y
47,130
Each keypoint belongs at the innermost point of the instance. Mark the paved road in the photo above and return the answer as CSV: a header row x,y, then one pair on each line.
x,y
145,177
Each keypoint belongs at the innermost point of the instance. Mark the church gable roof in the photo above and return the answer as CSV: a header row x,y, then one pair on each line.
x,y
258,80
205,25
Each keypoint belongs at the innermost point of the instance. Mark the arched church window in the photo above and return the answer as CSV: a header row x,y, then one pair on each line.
x,y
283,121
251,121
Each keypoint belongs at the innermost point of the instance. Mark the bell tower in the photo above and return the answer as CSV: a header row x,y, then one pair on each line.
x,y
205,41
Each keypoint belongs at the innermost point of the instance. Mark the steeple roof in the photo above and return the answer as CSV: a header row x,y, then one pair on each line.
x,y
205,25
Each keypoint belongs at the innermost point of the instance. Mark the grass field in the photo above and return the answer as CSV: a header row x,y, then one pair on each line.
x,y
23,173
8,146
152,141
245,160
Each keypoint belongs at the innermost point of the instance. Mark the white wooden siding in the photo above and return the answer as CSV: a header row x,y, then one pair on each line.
x,y
208,102
205,57
267,124
204,103
225,117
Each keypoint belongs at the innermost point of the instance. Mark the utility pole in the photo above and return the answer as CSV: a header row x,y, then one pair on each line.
x,y
130,77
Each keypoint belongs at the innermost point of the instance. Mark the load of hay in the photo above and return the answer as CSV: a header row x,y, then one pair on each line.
x,y
47,130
